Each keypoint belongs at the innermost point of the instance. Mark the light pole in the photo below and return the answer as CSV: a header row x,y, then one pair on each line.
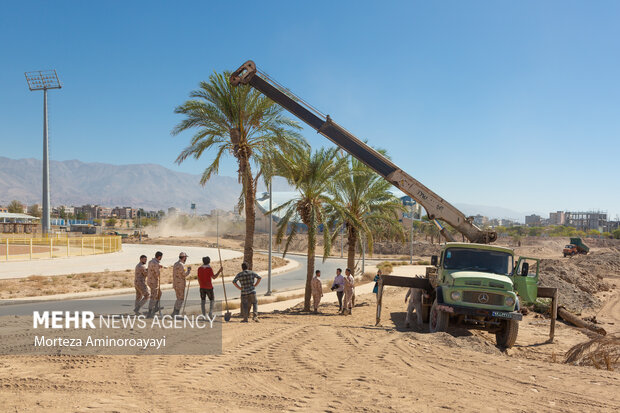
x,y
44,80
270,242
411,204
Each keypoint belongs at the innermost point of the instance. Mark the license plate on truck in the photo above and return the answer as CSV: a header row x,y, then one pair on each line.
x,y
504,314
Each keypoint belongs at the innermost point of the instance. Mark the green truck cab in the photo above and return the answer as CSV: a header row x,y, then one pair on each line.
x,y
480,286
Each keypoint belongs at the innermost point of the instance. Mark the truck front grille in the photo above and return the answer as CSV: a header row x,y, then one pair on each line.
x,y
481,297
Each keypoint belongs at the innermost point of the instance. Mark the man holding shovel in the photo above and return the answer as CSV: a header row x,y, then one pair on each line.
x,y
152,279
179,274
248,291
205,277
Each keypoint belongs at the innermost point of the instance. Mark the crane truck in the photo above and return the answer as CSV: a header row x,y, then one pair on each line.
x,y
474,284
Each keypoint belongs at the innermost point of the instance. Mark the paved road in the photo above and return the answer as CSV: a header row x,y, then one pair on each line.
x,y
117,261
124,303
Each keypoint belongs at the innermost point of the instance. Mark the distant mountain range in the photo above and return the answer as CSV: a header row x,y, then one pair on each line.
x,y
148,186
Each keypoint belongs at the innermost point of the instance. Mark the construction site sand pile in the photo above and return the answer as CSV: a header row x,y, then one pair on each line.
x,y
578,279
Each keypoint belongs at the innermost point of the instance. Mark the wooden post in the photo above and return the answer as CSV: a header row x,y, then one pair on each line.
x,y
554,314
68,246
30,248
7,249
549,292
51,239
82,248
379,299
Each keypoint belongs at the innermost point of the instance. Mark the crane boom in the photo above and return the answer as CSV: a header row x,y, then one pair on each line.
x,y
436,207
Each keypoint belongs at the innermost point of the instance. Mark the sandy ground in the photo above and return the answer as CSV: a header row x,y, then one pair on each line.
x,y
292,361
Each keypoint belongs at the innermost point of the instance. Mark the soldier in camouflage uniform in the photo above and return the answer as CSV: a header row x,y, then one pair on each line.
x,y
142,293
317,290
349,285
179,273
152,280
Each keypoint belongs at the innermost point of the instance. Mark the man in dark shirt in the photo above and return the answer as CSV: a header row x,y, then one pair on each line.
x,y
248,291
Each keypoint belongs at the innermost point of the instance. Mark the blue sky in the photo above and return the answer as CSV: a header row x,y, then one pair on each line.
x,y
511,104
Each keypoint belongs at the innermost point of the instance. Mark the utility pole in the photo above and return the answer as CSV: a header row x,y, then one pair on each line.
x,y
44,80
411,246
270,241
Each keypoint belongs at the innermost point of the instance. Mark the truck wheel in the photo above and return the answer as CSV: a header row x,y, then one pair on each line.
x,y
507,336
438,320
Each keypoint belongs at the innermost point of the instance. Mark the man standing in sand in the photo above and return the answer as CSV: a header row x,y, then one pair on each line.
x,y
152,280
349,285
179,275
205,277
142,293
338,285
317,290
248,291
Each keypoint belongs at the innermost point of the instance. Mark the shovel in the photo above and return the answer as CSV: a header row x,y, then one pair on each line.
x,y
186,294
227,314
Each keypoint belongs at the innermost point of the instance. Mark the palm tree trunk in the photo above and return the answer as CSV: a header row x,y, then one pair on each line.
x,y
352,243
310,268
250,212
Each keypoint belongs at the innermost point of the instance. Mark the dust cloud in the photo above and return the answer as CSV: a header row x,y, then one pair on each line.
x,y
194,226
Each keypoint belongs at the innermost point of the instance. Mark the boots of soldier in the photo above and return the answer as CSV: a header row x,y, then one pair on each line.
x,y
202,307
211,302
174,313
255,317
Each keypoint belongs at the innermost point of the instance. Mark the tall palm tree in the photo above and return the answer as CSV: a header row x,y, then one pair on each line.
x,y
366,206
241,122
311,174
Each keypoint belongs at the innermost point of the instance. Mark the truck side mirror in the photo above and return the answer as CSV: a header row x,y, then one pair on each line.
x,y
525,268
434,260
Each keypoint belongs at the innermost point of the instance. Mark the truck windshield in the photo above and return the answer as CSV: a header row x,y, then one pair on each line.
x,y
478,260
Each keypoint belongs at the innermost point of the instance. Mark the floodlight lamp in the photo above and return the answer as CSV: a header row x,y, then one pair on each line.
x,y
47,79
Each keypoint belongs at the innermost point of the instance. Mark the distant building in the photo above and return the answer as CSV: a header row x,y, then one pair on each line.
x,y
262,216
173,211
611,226
17,223
557,218
586,221
480,220
124,212
532,220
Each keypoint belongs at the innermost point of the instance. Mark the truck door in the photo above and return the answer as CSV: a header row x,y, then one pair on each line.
x,y
525,279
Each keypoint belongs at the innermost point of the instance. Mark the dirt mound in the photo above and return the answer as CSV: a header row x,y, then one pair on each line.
x,y
466,341
578,279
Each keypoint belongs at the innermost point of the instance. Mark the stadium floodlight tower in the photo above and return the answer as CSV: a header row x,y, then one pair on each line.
x,y
44,80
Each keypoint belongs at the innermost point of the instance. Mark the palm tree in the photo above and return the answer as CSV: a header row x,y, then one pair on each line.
x,y
241,122
312,175
366,206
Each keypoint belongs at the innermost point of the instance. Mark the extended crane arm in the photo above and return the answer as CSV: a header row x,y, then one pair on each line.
x,y
436,207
